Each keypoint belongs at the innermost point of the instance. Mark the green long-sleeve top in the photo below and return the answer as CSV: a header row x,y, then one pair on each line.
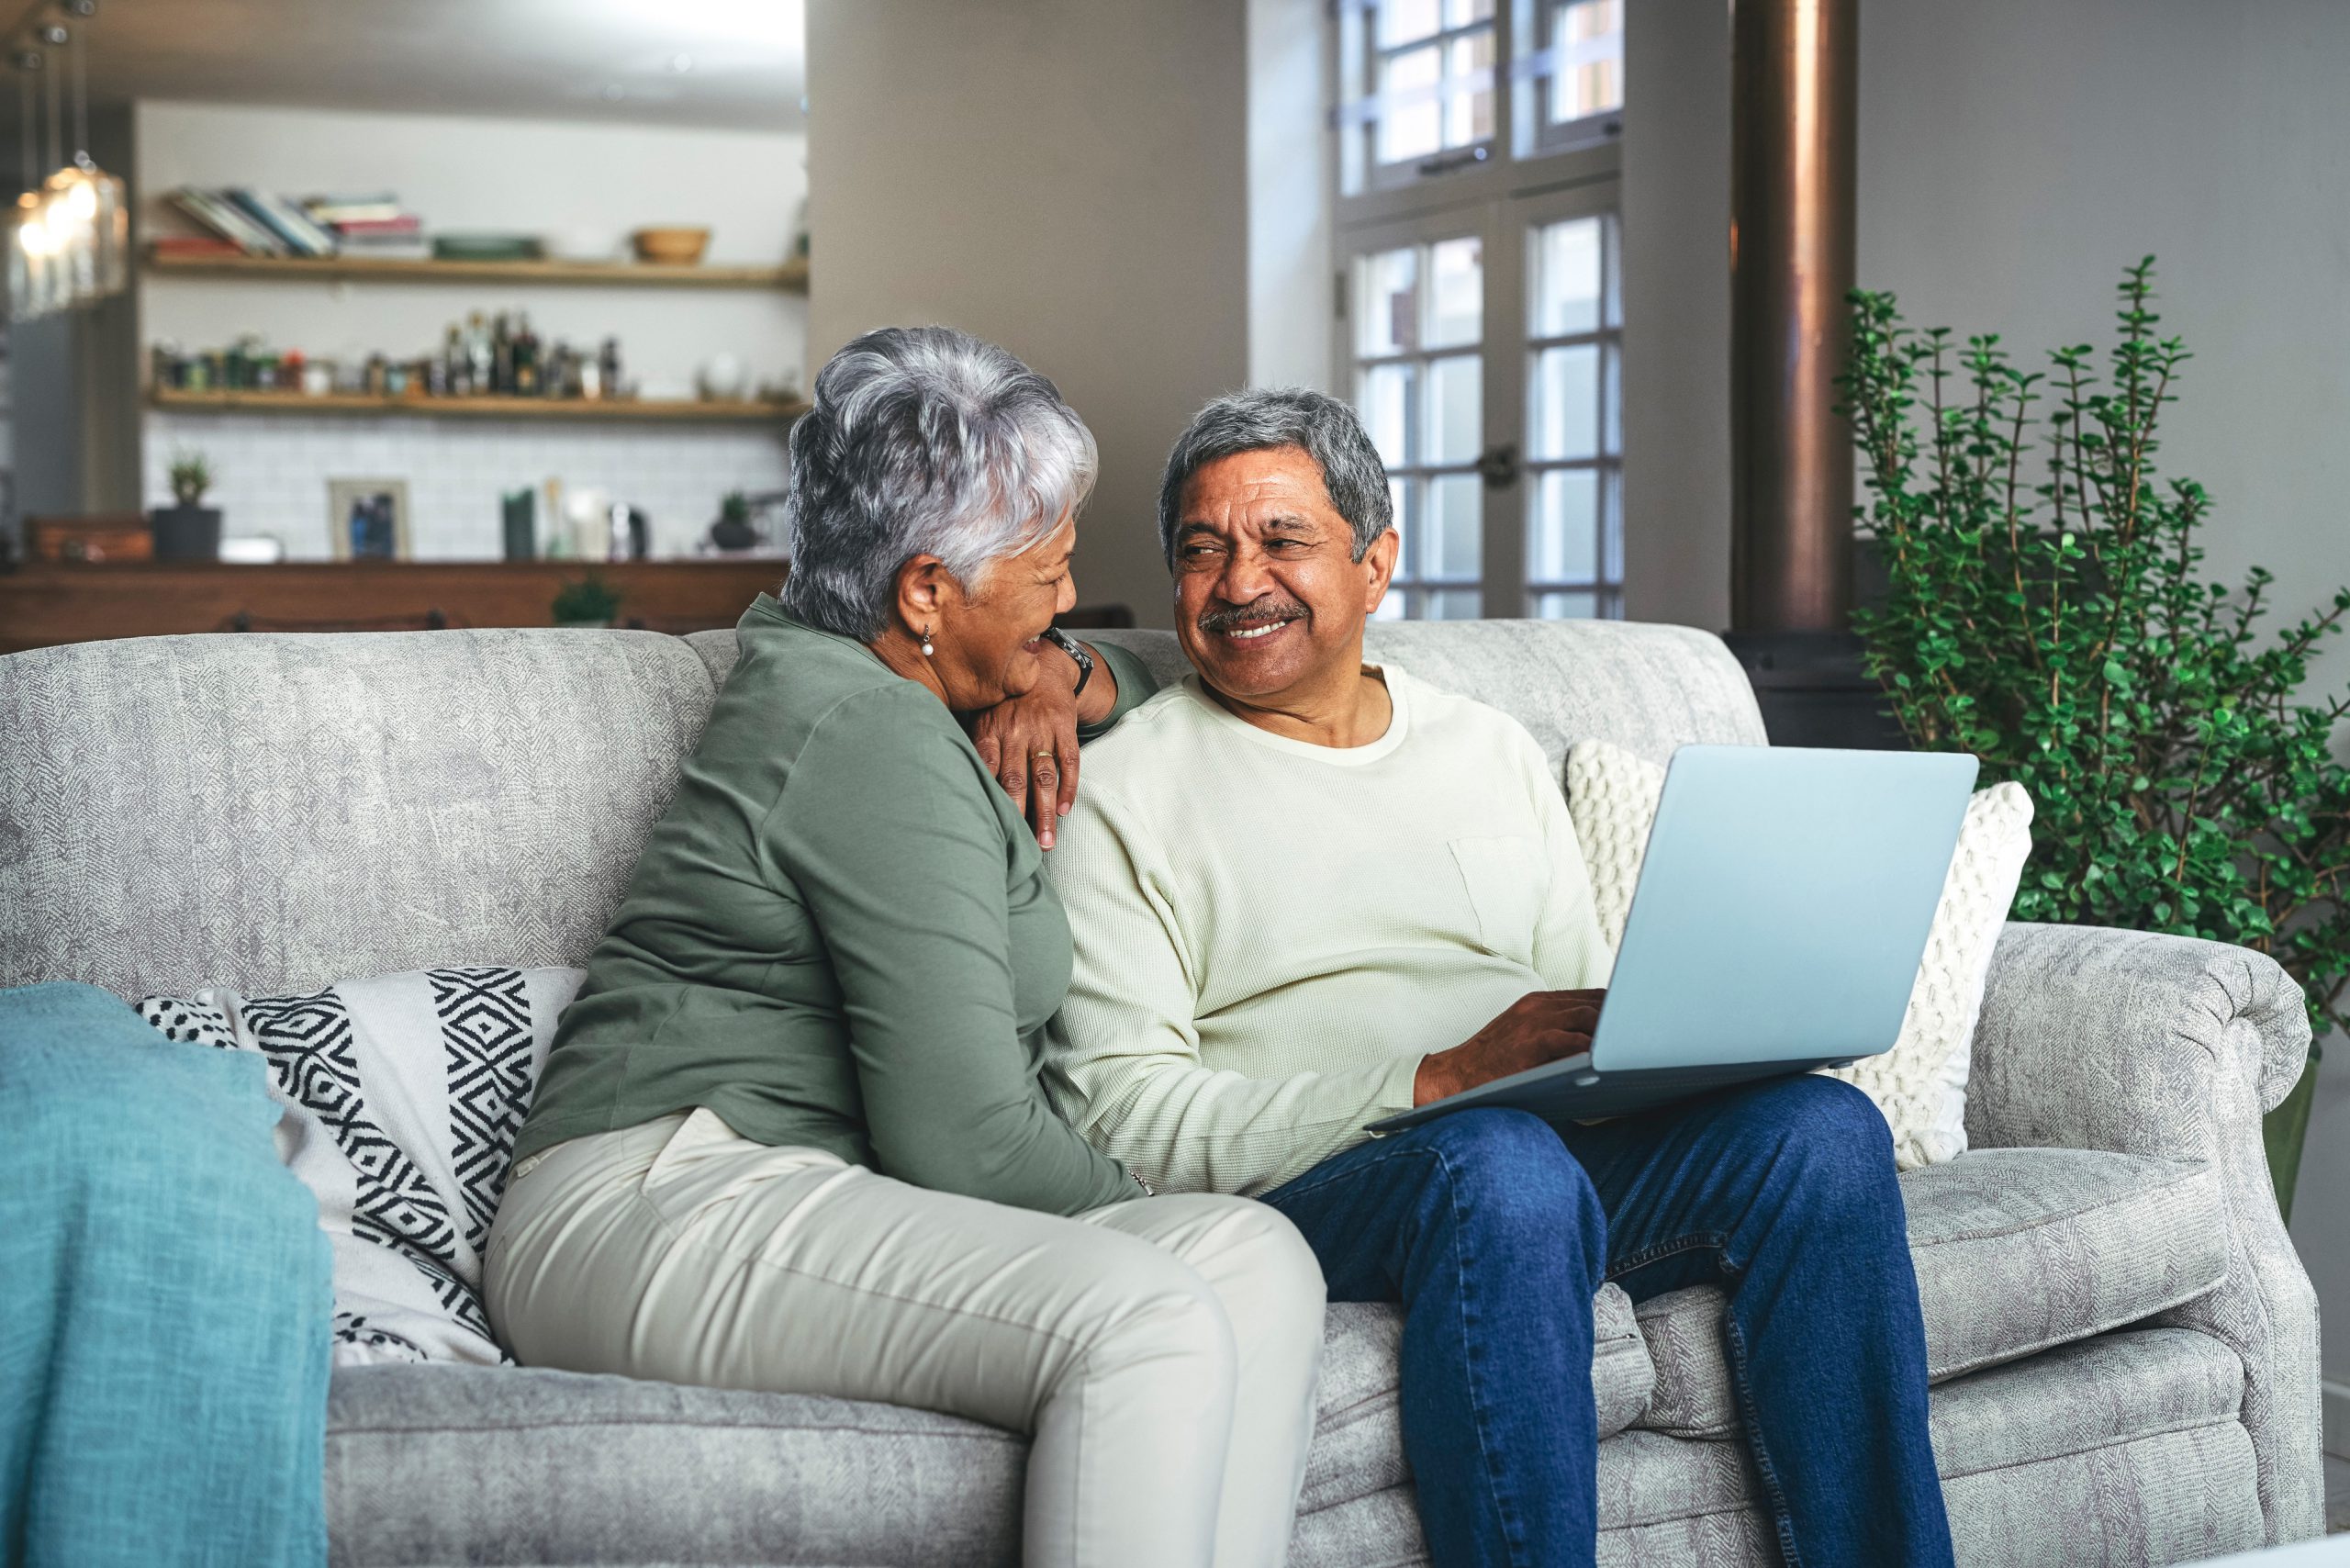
x,y
839,935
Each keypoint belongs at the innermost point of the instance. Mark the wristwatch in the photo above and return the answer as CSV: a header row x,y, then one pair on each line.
x,y
1074,649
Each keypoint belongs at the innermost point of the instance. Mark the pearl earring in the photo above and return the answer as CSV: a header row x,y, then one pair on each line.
x,y
927,649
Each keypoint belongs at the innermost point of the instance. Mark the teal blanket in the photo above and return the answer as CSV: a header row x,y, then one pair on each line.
x,y
164,1301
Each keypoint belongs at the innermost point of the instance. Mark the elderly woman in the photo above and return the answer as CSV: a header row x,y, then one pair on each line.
x,y
791,1135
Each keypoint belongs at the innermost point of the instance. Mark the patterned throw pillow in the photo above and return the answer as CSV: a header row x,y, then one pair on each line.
x,y
402,1095
1920,1084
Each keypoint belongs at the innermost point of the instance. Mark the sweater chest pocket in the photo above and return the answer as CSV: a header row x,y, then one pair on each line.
x,y
1506,879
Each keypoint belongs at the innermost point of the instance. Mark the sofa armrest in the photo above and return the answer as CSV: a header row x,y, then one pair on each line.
x,y
2130,1041
2144,1044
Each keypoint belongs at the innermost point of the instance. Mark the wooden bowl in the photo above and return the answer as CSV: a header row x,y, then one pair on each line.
x,y
676,247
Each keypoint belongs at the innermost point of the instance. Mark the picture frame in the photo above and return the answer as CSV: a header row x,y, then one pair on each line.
x,y
367,519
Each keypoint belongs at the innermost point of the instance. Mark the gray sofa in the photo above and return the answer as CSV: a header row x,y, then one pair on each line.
x,y
2123,1342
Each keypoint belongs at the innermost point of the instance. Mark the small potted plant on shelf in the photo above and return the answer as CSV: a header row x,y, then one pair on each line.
x,y
187,529
732,530
590,602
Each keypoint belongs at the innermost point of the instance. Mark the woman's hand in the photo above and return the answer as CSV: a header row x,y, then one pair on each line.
x,y
1029,743
1540,1026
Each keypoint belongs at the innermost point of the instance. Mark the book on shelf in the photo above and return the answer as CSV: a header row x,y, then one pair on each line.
x,y
227,220
365,208
289,223
406,223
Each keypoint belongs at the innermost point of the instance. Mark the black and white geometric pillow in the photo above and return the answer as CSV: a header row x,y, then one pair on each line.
x,y
402,1095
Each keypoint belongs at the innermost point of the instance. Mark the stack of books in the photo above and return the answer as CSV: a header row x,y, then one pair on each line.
x,y
262,223
373,225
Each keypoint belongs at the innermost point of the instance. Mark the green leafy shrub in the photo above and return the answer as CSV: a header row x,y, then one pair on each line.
x,y
2047,611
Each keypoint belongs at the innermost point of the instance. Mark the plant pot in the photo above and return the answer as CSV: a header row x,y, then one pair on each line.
x,y
186,533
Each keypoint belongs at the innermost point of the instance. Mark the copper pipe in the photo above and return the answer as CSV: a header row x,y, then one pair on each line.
x,y
1794,80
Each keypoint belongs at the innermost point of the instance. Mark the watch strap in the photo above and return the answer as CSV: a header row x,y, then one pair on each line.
x,y
1076,651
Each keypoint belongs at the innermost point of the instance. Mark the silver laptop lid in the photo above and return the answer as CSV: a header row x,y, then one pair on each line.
x,y
1783,905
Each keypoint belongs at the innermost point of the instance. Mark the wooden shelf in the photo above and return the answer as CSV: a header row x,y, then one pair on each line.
x,y
792,276
676,411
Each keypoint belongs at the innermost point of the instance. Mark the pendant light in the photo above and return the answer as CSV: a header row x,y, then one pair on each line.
x,y
69,243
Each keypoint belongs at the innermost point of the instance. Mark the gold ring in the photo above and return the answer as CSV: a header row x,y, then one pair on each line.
x,y
1048,756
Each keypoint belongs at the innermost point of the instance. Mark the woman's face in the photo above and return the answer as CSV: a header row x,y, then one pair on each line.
x,y
987,641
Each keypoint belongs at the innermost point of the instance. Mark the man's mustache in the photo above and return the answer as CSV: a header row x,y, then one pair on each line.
x,y
1256,613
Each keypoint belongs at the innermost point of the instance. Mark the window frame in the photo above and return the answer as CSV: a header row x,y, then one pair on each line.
x,y
1518,183
1530,218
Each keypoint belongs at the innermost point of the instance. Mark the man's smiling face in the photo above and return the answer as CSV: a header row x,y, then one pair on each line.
x,y
1269,598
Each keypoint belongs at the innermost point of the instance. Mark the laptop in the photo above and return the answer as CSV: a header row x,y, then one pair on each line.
x,y
1782,910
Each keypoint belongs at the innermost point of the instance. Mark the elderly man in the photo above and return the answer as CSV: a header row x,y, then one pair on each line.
x,y
1306,892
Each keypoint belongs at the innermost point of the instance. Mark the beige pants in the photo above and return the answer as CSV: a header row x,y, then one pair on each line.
x,y
1162,1353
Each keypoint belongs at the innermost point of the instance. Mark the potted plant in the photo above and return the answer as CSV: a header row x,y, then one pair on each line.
x,y
590,602
187,529
732,530
2046,611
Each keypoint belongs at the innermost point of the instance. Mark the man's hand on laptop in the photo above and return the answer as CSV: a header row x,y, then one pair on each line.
x,y
1540,1026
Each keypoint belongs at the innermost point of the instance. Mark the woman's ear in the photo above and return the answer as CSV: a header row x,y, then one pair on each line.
x,y
921,590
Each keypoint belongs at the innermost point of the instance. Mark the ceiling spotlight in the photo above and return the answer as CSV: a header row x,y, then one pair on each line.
x,y
681,63
614,91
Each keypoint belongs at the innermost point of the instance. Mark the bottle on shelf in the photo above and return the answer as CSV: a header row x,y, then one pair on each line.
x,y
526,357
478,353
501,356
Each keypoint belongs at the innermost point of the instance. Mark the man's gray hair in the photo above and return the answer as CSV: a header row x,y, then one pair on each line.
x,y
1324,428
922,441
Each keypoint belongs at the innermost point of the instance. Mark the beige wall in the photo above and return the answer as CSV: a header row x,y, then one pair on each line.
x,y
1065,177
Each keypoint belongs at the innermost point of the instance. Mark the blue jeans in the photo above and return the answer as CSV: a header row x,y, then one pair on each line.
x,y
1494,1230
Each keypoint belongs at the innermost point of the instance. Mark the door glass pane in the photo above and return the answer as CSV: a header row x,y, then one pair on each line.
x,y
1389,321
1400,21
1455,545
1455,604
1578,606
1461,13
1386,403
1563,546
1567,273
1468,108
1414,127
1457,292
1419,389
1589,37
1565,416
1456,409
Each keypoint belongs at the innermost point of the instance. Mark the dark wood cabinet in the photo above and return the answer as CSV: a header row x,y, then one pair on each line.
x,y
43,603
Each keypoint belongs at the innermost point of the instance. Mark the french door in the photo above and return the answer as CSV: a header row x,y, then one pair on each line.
x,y
1482,345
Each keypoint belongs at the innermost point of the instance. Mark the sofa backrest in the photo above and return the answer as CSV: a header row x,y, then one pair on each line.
x,y
283,811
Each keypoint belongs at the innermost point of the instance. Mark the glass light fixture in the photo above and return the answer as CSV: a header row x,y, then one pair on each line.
x,y
69,242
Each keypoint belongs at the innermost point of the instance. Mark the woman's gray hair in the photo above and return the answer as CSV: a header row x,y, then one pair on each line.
x,y
922,441
1259,420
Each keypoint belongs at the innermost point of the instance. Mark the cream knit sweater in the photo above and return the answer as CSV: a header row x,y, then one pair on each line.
x,y
1269,934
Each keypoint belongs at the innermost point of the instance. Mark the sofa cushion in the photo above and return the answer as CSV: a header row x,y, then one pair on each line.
x,y
401,1095
440,1463
1358,1434
2016,1249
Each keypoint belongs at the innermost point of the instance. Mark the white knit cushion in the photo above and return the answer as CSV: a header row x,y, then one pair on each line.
x,y
1920,1084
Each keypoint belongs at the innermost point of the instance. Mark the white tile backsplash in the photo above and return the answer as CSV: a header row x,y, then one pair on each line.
x,y
270,472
